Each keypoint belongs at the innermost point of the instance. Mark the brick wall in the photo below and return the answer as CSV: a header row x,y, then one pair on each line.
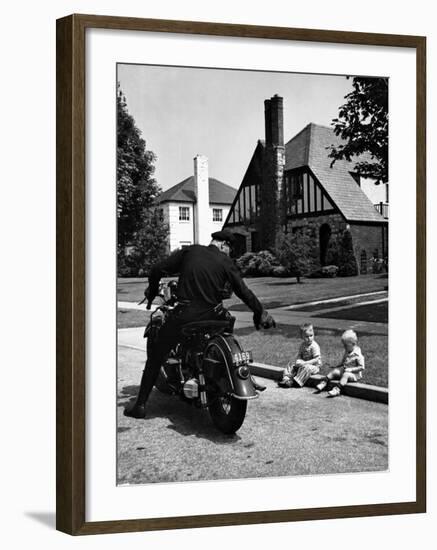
x,y
311,226
370,239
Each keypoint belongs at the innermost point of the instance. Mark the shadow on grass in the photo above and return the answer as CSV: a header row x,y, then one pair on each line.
x,y
184,417
285,283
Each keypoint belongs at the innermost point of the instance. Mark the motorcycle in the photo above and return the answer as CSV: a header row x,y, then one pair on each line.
x,y
207,368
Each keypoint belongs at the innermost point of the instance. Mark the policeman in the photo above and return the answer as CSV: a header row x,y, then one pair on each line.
x,y
204,274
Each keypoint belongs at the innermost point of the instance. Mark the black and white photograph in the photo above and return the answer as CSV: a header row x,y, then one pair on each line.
x,y
252,274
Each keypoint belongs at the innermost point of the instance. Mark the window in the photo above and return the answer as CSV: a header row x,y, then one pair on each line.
x,y
296,187
217,214
161,214
184,213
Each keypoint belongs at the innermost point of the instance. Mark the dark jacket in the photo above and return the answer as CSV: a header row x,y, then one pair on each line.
x,y
204,272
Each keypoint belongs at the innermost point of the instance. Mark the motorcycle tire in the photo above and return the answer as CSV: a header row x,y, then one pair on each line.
x,y
227,413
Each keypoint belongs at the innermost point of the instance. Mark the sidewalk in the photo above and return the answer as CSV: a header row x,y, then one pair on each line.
x,y
296,318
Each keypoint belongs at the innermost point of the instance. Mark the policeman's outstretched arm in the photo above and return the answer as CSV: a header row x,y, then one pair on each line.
x,y
261,317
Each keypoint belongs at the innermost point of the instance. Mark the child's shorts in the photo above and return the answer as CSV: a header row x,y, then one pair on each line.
x,y
337,374
299,374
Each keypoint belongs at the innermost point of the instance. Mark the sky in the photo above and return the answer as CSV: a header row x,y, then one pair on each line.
x,y
183,112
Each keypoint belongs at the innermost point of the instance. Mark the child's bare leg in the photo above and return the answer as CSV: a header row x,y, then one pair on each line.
x,y
345,378
334,374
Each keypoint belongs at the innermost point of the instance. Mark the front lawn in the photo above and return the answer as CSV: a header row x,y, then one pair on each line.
x,y
281,345
276,292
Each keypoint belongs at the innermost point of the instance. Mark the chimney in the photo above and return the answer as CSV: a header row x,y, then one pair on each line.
x,y
274,120
273,171
202,226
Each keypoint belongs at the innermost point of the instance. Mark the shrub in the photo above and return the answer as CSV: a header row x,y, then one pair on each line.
x,y
378,265
257,264
280,271
325,272
333,253
329,271
295,252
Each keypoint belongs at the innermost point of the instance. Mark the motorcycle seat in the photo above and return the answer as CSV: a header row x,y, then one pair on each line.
x,y
202,327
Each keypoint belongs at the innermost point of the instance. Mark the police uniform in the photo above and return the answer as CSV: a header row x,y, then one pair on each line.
x,y
204,274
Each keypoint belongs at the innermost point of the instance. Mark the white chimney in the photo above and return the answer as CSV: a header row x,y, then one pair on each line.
x,y
202,225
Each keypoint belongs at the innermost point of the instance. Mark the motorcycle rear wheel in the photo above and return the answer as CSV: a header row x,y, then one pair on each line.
x,y
227,413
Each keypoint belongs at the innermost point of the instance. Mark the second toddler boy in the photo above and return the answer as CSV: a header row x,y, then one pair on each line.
x,y
308,360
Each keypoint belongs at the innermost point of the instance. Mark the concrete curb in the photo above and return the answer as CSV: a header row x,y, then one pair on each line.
x,y
362,391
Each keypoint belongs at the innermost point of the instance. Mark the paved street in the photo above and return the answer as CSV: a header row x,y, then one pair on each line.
x,y
286,432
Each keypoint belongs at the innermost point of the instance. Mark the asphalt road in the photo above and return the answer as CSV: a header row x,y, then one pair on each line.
x,y
285,433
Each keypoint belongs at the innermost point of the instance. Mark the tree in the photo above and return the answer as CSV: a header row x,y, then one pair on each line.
x,y
295,252
148,247
136,188
137,192
363,125
347,262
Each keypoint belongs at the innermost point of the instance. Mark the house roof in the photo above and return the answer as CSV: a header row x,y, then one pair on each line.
x,y
310,147
219,192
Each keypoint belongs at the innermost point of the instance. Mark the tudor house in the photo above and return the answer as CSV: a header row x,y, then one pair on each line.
x,y
195,207
293,187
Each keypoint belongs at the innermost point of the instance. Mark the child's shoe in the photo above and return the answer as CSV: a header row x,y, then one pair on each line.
x,y
285,383
335,392
321,386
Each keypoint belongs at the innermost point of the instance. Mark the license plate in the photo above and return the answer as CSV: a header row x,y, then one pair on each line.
x,y
242,358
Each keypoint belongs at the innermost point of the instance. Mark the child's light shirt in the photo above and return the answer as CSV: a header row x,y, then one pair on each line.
x,y
307,352
354,359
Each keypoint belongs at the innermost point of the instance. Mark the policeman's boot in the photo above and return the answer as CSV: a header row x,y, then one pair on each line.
x,y
138,409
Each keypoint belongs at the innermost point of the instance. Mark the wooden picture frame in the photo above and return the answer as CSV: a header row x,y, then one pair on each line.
x,y
71,247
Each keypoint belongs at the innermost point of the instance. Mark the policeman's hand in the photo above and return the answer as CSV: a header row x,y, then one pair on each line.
x,y
265,320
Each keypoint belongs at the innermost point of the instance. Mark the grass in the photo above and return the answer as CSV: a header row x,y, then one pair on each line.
x,y
282,346
275,292
127,318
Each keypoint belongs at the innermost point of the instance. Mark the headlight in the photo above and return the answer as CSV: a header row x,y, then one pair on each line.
x,y
243,372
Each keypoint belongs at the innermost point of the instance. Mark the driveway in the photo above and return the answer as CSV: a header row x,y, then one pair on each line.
x,y
285,433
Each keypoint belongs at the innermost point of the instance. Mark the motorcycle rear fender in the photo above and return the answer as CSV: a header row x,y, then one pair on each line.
x,y
239,387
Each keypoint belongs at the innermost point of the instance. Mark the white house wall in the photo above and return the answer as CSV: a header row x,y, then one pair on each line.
x,y
182,232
